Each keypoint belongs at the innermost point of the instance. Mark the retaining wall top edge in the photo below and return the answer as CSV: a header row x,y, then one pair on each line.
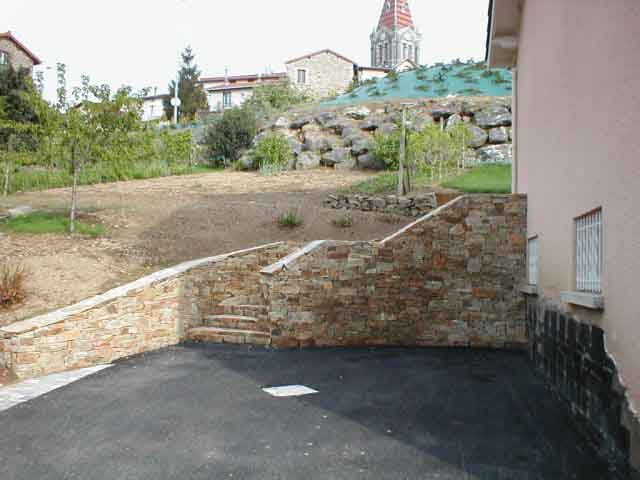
x,y
60,315
428,216
283,263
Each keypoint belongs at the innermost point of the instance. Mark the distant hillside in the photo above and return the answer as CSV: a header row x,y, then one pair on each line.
x,y
458,79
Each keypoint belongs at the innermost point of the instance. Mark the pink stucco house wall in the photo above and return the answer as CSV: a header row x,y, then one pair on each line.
x,y
577,150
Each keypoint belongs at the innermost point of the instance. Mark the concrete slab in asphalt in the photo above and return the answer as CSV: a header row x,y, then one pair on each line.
x,y
199,412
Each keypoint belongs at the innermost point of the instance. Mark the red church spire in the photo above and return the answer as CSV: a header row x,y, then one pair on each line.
x,y
396,14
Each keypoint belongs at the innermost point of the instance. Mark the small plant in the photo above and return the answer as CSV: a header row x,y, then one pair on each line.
x,y
12,288
423,88
273,152
392,76
486,74
343,222
289,219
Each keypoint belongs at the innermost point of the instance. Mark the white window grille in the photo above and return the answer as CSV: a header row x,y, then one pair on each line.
x,y
589,252
4,58
533,258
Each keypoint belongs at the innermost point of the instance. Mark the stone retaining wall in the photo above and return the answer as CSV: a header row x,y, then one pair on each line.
x,y
148,314
410,206
449,279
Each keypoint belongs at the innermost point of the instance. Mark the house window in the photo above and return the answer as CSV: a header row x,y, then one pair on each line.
x,y
302,77
4,58
411,52
589,252
226,99
533,260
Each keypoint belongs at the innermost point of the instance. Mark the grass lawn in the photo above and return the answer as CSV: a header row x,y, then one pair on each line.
x,y
386,182
38,223
488,179
26,180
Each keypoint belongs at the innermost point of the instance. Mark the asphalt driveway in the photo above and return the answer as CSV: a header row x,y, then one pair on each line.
x,y
199,412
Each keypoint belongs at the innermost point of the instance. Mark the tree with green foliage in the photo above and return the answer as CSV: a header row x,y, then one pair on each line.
x,y
228,136
269,98
96,122
190,92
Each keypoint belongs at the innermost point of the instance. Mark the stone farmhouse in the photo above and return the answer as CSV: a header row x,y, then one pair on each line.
x,y
582,179
15,53
395,45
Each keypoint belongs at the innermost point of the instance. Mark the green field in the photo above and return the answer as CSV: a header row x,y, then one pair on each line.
x,y
488,179
40,223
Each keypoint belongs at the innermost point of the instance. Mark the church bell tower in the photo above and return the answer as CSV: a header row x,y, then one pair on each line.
x,y
396,38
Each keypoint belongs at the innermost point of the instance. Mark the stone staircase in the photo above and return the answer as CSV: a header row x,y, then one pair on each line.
x,y
240,319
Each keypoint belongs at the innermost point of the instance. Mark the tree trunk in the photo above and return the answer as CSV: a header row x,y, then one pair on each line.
x,y
402,184
7,173
74,190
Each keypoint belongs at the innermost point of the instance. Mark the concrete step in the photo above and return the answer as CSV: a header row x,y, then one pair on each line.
x,y
228,335
240,322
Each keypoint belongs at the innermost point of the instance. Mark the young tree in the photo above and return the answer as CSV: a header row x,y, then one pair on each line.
x,y
191,93
96,121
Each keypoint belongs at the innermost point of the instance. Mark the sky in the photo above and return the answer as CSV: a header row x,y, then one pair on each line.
x,y
138,42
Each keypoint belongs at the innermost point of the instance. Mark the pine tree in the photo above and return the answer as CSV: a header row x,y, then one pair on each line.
x,y
191,93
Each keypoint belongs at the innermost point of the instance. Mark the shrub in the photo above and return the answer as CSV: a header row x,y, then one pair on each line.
x,y
289,219
273,151
343,222
226,138
387,148
12,288
176,147
269,98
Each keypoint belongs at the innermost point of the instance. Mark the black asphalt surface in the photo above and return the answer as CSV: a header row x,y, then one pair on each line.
x,y
198,412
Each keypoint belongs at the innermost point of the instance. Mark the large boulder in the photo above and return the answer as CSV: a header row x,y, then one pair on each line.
x,y
336,156
361,145
318,143
307,161
477,136
337,125
296,145
300,122
369,162
445,110
388,128
349,131
371,124
498,135
357,113
502,154
419,121
325,118
348,163
279,123
245,162
455,119
494,116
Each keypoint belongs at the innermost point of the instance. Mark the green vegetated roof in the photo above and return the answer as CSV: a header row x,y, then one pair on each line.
x,y
437,81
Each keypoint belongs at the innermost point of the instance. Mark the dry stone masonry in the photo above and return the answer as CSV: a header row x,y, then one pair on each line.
x,y
409,206
450,279
343,138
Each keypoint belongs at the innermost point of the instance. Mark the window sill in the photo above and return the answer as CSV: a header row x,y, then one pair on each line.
x,y
592,301
529,289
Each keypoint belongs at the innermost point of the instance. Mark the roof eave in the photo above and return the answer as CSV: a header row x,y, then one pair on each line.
x,y
503,33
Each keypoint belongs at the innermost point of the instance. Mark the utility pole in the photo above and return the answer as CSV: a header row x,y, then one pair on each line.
x,y
175,101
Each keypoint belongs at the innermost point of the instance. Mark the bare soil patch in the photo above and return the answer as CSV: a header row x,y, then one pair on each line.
x,y
157,223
